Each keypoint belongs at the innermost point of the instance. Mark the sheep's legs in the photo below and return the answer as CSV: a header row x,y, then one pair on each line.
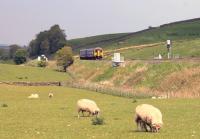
x,y
89,113
139,122
78,114
145,126
83,113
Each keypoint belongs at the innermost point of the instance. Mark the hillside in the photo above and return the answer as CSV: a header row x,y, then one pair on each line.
x,y
183,30
3,46
180,49
174,78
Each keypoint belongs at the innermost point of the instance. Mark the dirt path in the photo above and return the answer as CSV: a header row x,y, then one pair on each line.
x,y
133,47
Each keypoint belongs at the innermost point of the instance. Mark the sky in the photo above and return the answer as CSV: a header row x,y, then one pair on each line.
x,y
22,20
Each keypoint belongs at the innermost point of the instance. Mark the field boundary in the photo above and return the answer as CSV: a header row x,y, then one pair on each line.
x,y
33,83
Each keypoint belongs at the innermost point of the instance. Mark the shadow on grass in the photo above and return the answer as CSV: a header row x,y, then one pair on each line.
x,y
138,131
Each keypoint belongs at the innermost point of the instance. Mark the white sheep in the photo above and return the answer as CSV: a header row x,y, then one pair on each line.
x,y
86,105
33,96
50,95
148,117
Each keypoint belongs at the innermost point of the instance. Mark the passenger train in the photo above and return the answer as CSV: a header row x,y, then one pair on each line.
x,y
91,53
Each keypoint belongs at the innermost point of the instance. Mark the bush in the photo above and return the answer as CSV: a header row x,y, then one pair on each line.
x,y
20,56
4,105
97,121
42,63
134,101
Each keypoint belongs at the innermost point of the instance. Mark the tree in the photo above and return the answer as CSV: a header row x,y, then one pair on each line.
x,y
1,53
33,49
47,42
12,50
20,56
64,58
57,38
4,54
44,47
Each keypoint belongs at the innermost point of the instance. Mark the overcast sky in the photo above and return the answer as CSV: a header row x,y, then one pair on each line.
x,y
21,20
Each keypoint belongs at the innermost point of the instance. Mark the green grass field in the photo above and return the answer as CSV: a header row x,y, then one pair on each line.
x,y
33,74
56,118
184,48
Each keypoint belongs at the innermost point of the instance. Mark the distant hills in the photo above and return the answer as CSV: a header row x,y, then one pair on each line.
x,y
4,46
181,30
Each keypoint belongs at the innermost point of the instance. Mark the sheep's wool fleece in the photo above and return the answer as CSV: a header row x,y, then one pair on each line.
x,y
86,103
150,112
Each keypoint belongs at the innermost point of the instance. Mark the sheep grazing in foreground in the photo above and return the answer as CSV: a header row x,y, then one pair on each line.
x,y
33,96
148,118
86,105
50,95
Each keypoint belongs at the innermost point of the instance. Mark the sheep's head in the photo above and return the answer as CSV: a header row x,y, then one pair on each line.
x,y
50,95
156,127
96,112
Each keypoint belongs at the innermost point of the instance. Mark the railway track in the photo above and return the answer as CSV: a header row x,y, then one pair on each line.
x,y
157,61
110,52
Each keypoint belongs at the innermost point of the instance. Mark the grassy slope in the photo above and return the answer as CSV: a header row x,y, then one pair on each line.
x,y
56,118
186,30
185,48
141,76
24,73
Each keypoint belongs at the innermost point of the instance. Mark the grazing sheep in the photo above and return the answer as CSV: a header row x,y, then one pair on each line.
x,y
148,117
50,95
33,96
86,105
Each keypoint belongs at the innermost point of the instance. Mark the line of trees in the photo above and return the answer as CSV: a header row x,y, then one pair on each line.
x,y
48,42
14,52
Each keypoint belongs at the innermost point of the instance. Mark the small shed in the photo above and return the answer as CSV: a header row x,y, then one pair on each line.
x,y
42,58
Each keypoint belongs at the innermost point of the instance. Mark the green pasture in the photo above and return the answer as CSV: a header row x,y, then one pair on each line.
x,y
56,118
181,49
33,74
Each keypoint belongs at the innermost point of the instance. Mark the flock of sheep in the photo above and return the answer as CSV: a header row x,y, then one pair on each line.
x,y
148,118
35,96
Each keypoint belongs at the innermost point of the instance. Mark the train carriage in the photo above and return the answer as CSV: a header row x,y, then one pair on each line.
x,y
91,54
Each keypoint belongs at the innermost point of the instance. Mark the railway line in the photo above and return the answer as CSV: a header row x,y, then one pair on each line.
x,y
108,53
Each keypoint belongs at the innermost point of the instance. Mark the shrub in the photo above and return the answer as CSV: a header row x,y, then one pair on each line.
x,y
97,121
134,101
42,63
4,105
20,56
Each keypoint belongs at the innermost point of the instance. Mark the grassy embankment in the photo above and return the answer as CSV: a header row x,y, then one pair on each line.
x,y
177,79
56,118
